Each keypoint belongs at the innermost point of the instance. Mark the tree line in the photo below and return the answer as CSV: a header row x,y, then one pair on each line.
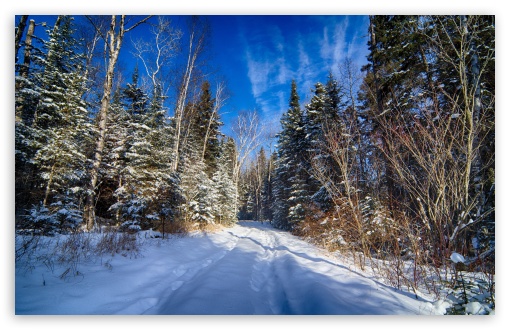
x,y
93,148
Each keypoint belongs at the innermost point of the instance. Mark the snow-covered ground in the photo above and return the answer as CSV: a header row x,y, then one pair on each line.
x,y
250,268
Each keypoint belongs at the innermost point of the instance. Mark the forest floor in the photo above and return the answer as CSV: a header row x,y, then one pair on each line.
x,y
247,269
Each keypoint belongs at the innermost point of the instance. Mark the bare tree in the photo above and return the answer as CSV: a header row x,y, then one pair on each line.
x,y
457,42
350,79
155,54
247,134
198,34
340,181
113,41
219,101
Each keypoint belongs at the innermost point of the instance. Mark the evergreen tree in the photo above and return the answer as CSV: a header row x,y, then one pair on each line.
x,y
267,190
60,130
290,178
205,128
198,190
117,142
321,117
146,179
316,119
224,186
333,102
280,204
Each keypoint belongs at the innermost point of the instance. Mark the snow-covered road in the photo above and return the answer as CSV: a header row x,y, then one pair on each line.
x,y
250,268
254,269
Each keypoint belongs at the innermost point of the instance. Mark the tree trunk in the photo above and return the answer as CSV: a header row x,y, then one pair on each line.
x,y
23,70
19,33
477,105
114,40
181,101
48,185
114,45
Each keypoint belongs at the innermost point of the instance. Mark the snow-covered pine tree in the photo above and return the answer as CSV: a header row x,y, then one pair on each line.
x,y
27,95
225,187
334,103
280,203
132,152
323,118
199,154
117,139
290,188
60,132
163,184
197,189
267,190
146,179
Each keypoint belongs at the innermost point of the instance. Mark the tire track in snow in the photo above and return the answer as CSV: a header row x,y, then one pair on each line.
x,y
266,271
265,280
180,275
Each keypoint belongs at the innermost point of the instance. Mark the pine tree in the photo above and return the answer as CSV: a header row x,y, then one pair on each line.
x,y
197,189
117,142
333,104
316,119
280,204
267,190
60,130
205,128
290,178
225,187
146,179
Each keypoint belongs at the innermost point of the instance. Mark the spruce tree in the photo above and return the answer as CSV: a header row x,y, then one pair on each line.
x,y
290,178
205,128
267,189
60,130
146,179
224,186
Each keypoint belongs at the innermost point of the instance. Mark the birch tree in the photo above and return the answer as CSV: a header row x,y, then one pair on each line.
x,y
113,40
198,34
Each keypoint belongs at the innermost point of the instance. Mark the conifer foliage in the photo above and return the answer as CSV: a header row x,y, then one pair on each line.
x,y
52,130
124,144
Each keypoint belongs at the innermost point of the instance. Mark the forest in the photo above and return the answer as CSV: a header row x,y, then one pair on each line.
x,y
392,161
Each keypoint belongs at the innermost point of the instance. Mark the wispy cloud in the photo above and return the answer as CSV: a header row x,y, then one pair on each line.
x,y
334,44
258,71
267,67
305,52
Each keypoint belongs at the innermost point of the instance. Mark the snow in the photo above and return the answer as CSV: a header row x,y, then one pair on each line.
x,y
248,269
455,257
475,308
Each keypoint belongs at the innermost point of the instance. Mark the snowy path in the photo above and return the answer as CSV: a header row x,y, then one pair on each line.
x,y
263,271
248,269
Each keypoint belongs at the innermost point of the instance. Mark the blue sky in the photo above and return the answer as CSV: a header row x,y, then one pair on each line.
x,y
261,55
